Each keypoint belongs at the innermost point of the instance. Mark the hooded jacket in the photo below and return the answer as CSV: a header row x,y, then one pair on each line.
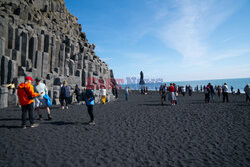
x,y
24,91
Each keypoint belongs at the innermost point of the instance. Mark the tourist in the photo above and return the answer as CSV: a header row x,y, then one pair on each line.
x,y
40,100
116,92
12,86
103,94
211,91
247,92
201,88
126,93
183,91
219,91
175,92
190,90
238,92
232,90
172,97
163,93
64,95
26,95
207,91
78,94
225,92
90,102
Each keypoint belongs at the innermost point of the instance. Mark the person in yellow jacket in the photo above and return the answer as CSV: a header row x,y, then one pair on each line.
x,y
26,95
103,95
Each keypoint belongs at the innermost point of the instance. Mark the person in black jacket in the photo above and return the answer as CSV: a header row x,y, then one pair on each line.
x,y
90,102
78,93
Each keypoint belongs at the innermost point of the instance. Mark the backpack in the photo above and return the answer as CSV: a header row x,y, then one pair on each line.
x,y
48,100
163,90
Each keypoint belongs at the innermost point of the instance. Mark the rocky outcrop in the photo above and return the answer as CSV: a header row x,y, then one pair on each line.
x,y
41,38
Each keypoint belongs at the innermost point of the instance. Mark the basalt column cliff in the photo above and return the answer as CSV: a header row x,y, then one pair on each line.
x,y
41,38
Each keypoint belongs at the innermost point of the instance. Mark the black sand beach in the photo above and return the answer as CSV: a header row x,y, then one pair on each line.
x,y
139,132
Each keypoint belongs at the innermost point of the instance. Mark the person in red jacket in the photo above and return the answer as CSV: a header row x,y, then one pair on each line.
x,y
26,95
171,94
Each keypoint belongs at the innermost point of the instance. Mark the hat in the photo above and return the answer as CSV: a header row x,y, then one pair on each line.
x,y
38,79
29,78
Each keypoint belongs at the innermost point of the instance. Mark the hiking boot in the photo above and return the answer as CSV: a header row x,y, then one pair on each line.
x,y
67,107
34,125
40,118
91,123
49,117
24,127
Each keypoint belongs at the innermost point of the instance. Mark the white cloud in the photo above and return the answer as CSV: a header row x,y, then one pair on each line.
x,y
191,24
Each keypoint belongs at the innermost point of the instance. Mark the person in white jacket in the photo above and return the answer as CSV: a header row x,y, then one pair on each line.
x,y
225,92
40,101
247,92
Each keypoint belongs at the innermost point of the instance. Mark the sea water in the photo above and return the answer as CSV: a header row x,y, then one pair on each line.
x,y
238,83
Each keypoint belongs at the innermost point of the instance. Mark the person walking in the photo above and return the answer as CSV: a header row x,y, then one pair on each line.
x,y
163,93
126,93
78,94
225,92
247,92
64,95
103,95
90,102
26,95
207,92
40,100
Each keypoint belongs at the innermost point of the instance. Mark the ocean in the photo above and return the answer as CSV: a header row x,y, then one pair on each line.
x,y
238,83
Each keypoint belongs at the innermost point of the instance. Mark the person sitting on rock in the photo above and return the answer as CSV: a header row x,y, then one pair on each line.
x,y
12,86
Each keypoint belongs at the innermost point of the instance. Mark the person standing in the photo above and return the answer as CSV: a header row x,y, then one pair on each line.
x,y
103,95
26,95
163,93
40,101
171,94
207,92
211,91
126,93
90,102
219,91
247,92
225,92
64,95
176,92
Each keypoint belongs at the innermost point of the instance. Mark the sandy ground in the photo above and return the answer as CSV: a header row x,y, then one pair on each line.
x,y
138,132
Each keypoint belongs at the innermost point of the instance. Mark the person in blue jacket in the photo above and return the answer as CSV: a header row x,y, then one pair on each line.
x,y
90,102
64,95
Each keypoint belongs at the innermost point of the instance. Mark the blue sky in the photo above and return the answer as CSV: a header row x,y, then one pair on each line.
x,y
177,40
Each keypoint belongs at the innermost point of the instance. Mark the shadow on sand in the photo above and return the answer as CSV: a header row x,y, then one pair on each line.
x,y
154,104
60,123
10,127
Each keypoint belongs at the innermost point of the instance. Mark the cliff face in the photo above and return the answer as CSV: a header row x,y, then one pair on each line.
x,y
41,38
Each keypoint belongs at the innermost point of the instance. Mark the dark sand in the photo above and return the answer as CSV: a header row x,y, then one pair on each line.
x,y
139,132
